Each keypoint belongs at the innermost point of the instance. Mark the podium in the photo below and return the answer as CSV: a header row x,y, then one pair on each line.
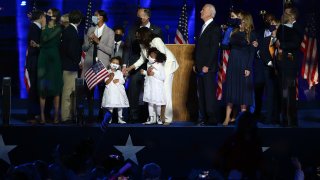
x,y
184,92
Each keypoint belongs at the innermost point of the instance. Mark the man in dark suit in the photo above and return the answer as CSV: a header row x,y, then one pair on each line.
x,y
70,56
130,56
118,42
38,19
263,70
206,65
267,58
290,35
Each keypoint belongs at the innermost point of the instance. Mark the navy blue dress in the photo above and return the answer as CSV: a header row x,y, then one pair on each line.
x,y
239,89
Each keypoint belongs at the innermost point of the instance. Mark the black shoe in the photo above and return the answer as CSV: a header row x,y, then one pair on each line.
x,y
201,123
67,122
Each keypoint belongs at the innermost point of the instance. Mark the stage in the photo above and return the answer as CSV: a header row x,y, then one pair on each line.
x,y
177,148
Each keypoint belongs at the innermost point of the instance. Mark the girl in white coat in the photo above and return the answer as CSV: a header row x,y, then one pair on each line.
x,y
114,95
154,90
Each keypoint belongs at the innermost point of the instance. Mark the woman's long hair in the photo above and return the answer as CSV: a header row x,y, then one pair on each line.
x,y
145,36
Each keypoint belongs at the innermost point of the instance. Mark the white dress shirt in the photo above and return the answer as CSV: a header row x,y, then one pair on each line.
x,y
99,30
205,25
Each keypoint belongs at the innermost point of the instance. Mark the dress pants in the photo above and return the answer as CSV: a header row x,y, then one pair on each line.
x,y
67,99
207,97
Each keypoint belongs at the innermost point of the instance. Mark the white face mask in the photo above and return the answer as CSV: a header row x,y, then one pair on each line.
x,y
151,60
114,66
95,20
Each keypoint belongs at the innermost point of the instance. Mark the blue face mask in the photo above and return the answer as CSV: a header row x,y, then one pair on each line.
x,y
94,20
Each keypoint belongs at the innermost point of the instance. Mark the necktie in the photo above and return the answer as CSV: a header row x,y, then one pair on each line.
x,y
115,47
271,47
202,29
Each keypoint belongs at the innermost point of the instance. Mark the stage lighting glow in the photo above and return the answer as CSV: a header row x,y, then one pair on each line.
x,y
23,3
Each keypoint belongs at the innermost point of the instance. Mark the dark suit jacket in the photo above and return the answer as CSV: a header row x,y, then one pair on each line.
x,y
132,47
70,49
206,51
264,50
120,50
290,41
33,53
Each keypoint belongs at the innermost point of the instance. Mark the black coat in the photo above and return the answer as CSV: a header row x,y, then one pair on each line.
x,y
70,49
33,52
207,47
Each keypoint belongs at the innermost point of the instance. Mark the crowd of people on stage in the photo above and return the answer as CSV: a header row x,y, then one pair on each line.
x,y
258,60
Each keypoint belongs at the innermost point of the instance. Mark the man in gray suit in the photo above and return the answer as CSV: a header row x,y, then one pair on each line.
x,y
118,41
98,43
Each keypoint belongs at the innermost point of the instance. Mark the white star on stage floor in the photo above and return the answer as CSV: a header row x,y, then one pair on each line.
x,y
129,150
4,150
264,149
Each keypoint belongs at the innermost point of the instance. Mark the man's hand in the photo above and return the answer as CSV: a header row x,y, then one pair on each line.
x,y
111,76
255,43
246,73
205,69
34,44
194,69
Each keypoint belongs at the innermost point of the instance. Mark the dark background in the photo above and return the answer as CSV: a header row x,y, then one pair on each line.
x,y
165,13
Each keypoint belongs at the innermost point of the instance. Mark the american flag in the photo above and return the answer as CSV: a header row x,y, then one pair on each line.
x,y
222,73
182,31
95,74
309,69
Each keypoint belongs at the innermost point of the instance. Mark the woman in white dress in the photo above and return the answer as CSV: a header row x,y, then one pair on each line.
x,y
114,95
147,40
154,92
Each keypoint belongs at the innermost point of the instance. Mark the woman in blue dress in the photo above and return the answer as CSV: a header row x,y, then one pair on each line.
x,y
239,83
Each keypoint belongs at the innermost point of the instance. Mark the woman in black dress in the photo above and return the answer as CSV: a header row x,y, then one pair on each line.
x,y
239,83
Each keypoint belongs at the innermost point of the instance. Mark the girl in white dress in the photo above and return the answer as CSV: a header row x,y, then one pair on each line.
x,y
154,90
114,95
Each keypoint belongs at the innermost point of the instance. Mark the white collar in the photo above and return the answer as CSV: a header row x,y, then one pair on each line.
x,y
100,28
74,26
147,25
38,24
208,21
119,42
267,33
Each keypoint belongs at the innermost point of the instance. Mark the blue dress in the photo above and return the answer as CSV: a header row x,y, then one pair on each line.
x,y
239,89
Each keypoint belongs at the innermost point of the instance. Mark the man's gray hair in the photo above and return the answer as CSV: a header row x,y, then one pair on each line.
x,y
212,9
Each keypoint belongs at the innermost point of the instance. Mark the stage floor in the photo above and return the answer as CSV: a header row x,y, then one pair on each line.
x,y
177,148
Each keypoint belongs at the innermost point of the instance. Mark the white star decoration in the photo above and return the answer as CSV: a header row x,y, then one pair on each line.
x,y
4,150
264,149
129,150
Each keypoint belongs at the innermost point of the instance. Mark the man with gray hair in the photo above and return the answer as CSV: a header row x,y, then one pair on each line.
x,y
206,65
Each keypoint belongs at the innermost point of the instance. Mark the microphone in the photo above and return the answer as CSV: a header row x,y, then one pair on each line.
x,y
167,27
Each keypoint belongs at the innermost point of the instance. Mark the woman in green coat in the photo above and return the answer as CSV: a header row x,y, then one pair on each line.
x,y
49,64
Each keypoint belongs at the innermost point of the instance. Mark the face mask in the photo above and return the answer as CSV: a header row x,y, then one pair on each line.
x,y
272,28
114,66
48,18
234,22
139,21
94,20
117,37
151,60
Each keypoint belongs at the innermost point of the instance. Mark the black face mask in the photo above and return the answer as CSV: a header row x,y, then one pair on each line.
x,y
118,37
272,28
234,22
139,21
48,18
